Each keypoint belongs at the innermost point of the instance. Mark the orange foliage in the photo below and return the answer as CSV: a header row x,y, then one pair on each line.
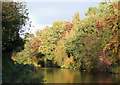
x,y
110,49
69,60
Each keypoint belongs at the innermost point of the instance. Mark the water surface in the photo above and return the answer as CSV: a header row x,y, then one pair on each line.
x,y
59,75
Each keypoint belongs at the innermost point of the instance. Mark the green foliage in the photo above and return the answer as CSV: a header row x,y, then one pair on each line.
x,y
91,10
29,54
76,18
14,16
28,74
90,43
88,40
75,42
91,50
19,73
60,53
49,37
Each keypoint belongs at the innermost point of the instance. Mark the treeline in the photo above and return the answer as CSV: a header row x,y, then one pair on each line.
x,y
91,44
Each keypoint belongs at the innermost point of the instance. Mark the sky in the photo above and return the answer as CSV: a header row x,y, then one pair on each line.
x,y
44,12
48,12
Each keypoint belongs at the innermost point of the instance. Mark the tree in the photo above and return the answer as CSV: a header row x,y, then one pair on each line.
x,y
60,53
49,37
30,53
90,43
91,10
76,18
14,16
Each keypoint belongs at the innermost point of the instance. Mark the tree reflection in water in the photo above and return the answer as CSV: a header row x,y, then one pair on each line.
x,y
59,75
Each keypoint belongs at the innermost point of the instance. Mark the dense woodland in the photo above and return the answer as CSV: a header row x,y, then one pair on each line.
x,y
90,44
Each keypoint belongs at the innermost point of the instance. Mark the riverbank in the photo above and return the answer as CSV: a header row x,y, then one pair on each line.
x,y
18,73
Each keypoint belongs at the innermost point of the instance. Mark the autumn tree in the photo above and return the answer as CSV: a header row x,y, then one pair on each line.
x,y
49,38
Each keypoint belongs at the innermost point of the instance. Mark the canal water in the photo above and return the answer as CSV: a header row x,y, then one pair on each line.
x,y
59,75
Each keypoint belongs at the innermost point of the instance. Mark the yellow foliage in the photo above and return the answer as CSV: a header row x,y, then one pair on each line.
x,y
68,60
113,51
68,34
36,65
119,56
107,46
60,53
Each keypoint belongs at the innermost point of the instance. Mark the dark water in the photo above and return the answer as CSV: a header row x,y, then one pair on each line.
x,y
59,75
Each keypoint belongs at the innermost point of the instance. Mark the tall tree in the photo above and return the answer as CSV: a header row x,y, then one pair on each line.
x,y
76,18
14,16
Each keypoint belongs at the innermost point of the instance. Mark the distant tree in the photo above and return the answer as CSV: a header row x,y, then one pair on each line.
x,y
49,38
91,10
76,18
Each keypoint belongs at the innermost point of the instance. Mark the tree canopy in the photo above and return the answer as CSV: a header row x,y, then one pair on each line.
x,y
14,17
90,43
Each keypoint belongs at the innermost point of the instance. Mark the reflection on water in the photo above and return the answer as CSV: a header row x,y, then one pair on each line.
x,y
59,75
